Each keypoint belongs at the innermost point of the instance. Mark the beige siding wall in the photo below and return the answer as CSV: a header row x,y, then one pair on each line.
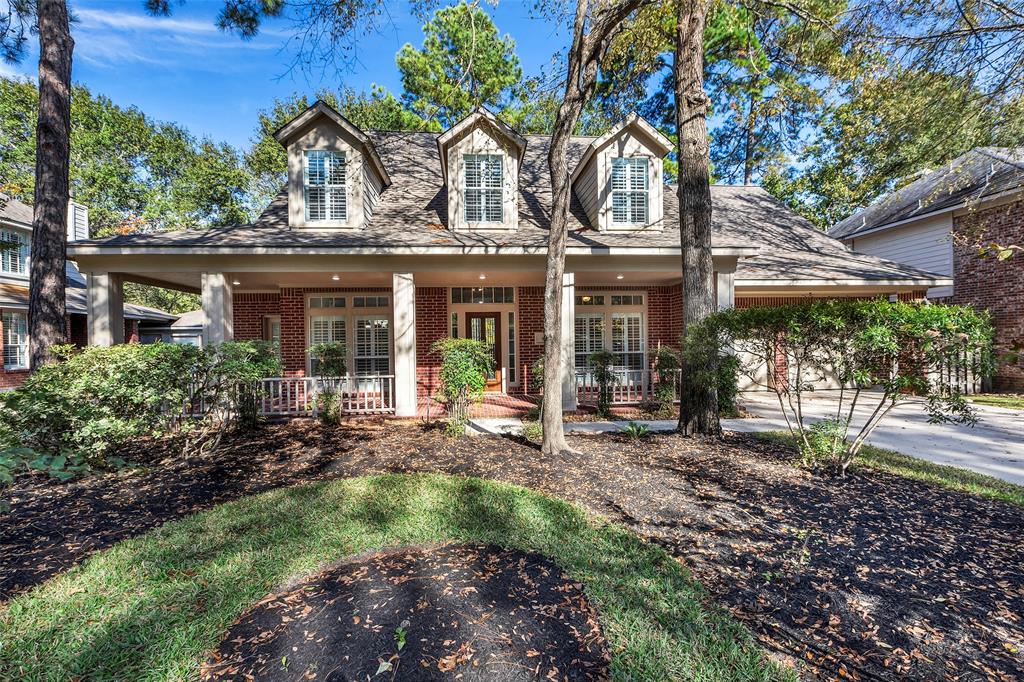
x,y
586,191
925,244
372,188
326,135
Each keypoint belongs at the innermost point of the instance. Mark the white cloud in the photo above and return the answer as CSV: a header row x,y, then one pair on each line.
x,y
11,70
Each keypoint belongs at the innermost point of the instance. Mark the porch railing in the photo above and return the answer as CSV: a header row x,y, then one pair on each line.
x,y
631,386
296,396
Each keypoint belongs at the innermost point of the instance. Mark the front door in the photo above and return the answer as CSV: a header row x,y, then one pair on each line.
x,y
486,327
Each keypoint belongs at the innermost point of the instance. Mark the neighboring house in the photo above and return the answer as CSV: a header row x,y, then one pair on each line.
x,y
16,230
937,221
390,241
187,329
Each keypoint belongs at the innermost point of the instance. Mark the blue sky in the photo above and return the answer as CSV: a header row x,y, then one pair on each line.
x,y
183,69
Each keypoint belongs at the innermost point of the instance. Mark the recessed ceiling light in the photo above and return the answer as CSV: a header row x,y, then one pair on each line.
x,y
235,282
483,276
335,278
619,276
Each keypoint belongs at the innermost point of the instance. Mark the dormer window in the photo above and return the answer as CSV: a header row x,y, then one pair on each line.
x,y
325,190
629,189
483,188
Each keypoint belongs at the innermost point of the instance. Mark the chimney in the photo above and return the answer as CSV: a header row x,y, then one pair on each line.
x,y
78,222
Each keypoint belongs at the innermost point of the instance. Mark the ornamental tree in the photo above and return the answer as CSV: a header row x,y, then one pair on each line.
x,y
880,353
465,364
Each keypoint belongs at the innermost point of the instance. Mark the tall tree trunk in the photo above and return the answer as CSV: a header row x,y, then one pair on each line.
x,y
565,120
46,309
584,58
698,401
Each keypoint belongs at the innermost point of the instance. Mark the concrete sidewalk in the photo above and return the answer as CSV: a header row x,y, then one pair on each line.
x,y
995,446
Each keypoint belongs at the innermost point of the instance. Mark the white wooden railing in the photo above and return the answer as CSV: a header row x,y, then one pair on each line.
x,y
296,396
631,386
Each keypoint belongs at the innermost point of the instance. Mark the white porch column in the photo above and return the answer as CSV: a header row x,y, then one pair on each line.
x,y
105,308
403,296
569,341
725,290
218,309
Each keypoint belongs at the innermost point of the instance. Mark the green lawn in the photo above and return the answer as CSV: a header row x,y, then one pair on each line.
x,y
955,478
149,608
1011,400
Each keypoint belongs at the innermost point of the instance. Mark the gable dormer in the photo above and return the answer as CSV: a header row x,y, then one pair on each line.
x,y
480,161
620,179
334,173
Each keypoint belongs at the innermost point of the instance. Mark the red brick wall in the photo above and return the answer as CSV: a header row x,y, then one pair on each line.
x,y
996,286
664,312
531,323
249,311
431,325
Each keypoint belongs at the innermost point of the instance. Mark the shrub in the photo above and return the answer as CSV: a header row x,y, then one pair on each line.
x,y
95,400
666,366
330,365
879,352
825,443
636,432
533,431
465,364
601,366
728,385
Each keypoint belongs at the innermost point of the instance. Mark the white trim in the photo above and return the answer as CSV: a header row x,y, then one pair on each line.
x,y
633,119
937,282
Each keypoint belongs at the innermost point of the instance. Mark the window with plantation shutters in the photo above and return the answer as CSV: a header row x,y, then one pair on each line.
x,y
15,340
627,340
13,252
589,333
372,343
325,329
630,191
324,186
482,181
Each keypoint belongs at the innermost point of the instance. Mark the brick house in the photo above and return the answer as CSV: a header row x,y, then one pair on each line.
x,y
389,241
936,223
16,231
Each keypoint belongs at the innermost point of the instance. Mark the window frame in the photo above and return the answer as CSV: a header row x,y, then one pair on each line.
x,y
375,356
483,189
630,193
19,344
329,189
608,311
21,254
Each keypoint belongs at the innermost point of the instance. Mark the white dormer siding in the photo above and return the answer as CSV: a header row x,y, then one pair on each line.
x,y
480,161
620,179
334,174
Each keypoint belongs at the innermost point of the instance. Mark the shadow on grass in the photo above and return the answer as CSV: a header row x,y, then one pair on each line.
x,y
149,608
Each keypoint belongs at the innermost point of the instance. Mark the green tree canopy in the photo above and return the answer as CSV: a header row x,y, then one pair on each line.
x,y
464,63
134,173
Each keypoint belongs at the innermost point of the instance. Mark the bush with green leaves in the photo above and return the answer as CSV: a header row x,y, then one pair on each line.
x,y
636,432
602,368
728,371
95,400
330,365
878,352
465,364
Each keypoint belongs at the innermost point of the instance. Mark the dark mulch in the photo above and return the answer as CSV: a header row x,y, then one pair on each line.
x,y
469,612
877,577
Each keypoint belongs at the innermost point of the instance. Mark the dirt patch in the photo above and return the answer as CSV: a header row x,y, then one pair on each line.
x,y
877,577
451,612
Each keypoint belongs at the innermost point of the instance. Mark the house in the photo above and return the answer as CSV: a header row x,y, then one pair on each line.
x,y
936,222
390,241
16,232
187,329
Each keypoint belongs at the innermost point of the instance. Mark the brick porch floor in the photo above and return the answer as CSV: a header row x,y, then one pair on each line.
x,y
493,405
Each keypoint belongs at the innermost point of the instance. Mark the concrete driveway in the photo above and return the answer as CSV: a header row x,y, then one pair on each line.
x,y
995,446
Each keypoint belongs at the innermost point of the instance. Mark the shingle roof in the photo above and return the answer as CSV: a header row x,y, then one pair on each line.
x,y
413,213
980,173
75,298
14,210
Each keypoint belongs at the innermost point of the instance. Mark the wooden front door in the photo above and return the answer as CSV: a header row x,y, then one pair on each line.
x,y
486,327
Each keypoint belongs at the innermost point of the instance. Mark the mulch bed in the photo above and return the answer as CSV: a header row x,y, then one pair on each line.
x,y
469,612
874,577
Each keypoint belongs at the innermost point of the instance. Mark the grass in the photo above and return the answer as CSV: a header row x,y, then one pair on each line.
x,y
150,608
954,478
1013,401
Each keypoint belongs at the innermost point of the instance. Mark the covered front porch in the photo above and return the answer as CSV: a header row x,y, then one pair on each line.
x,y
389,311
